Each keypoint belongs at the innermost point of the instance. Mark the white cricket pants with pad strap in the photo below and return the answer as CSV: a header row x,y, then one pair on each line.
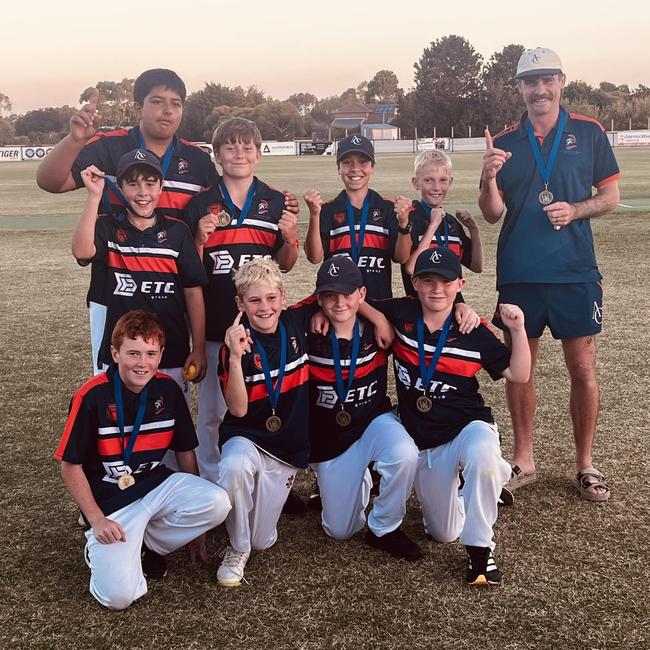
x,y
180,509
258,485
212,408
345,481
471,512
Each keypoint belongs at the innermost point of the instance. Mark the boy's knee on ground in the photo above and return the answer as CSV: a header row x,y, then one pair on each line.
x,y
115,594
233,470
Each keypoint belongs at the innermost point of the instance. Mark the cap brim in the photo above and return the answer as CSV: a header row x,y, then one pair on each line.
x,y
335,287
349,151
538,73
139,163
448,274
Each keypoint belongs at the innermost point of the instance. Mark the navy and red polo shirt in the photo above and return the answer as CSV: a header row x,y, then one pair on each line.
x,y
92,437
231,246
457,240
454,387
529,249
148,269
378,244
190,171
365,400
290,443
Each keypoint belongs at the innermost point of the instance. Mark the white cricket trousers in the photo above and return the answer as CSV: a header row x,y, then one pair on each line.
x,y
180,509
212,408
471,512
257,485
345,481
97,318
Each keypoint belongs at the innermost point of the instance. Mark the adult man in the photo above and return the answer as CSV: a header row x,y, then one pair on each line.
x,y
545,257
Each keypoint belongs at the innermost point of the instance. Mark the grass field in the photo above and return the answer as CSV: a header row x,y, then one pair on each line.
x,y
576,574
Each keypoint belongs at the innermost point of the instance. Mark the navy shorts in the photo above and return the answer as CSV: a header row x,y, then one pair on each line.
x,y
569,310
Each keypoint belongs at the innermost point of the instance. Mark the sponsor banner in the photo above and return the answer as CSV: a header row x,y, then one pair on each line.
x,y
278,148
315,148
425,144
36,153
633,139
10,154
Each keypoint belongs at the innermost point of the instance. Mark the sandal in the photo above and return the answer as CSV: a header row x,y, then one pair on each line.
x,y
518,479
585,485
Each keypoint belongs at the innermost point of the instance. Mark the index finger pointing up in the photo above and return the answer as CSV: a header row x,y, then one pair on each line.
x,y
94,99
489,144
238,318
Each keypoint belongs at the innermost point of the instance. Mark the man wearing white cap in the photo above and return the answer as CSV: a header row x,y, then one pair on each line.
x,y
542,171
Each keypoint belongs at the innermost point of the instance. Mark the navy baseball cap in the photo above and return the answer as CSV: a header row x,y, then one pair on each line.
x,y
440,261
140,157
339,274
355,144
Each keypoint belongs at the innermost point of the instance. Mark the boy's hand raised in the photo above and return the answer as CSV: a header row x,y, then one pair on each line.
x,y
207,225
93,179
291,202
314,201
493,159
238,338
85,122
465,217
403,208
287,225
511,316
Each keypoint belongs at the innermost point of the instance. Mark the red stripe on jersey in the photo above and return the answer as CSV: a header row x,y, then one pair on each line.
x,y
609,179
173,199
328,373
584,118
370,240
77,399
148,442
295,379
241,235
137,263
449,365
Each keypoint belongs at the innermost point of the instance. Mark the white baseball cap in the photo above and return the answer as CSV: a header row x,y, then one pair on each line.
x,y
539,61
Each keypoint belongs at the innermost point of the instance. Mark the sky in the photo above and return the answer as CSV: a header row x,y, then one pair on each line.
x,y
52,50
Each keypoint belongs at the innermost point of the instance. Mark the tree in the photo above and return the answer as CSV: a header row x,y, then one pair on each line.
x,y
447,85
383,87
6,132
278,120
304,102
5,105
578,92
116,105
502,66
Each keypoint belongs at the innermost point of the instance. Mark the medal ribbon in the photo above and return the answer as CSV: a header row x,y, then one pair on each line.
x,y
443,242
233,208
546,169
139,417
357,244
341,388
273,391
426,373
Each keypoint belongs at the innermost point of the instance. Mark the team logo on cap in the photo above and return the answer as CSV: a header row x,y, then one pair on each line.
x,y
535,58
159,405
436,256
333,270
570,142
140,155
355,139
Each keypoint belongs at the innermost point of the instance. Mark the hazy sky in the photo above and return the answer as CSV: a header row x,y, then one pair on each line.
x,y
51,50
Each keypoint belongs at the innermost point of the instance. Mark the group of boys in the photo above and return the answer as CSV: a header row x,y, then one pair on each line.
x,y
175,243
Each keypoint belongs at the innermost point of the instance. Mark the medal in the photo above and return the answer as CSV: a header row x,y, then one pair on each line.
x,y
243,213
423,404
273,423
343,418
125,481
357,244
223,219
545,197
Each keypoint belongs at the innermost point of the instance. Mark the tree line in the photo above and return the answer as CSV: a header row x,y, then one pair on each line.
x,y
454,89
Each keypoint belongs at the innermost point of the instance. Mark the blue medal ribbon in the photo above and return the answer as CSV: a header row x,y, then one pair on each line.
x,y
546,169
341,389
426,373
443,242
357,244
139,417
273,391
232,208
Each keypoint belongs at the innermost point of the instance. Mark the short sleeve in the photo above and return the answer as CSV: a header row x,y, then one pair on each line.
x,y
184,433
93,153
605,165
495,356
191,270
76,438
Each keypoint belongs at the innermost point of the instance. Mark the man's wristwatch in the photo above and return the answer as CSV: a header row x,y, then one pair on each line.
x,y
406,230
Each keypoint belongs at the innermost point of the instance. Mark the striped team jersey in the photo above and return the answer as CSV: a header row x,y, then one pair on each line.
x,y
92,438
365,400
457,240
379,242
148,269
454,387
190,171
231,246
290,443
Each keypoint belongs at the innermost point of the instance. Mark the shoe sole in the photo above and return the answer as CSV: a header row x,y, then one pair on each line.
x,y
229,584
482,581
413,558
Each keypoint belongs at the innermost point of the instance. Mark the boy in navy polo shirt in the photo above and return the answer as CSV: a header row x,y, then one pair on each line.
x,y
431,226
264,440
440,406
151,262
358,222
350,421
120,425
235,221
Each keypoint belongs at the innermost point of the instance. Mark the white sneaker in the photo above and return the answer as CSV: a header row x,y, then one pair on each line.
x,y
231,570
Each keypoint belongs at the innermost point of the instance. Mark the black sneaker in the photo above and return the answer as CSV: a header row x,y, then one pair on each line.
x,y
154,566
482,568
315,504
397,543
376,479
506,498
294,505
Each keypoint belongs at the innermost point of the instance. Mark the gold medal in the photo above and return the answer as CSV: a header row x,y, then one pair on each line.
x,y
423,404
545,197
273,423
223,219
125,481
343,418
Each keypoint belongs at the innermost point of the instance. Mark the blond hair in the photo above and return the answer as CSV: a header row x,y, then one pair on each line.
x,y
434,157
236,129
260,269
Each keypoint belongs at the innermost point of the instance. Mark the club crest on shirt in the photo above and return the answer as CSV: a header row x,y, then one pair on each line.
x,y
409,327
121,236
111,412
294,344
257,361
183,166
339,218
263,207
376,215
161,236
159,405
570,141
